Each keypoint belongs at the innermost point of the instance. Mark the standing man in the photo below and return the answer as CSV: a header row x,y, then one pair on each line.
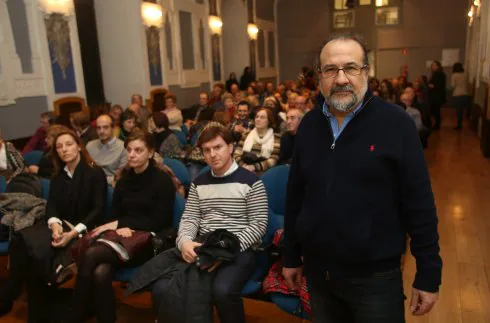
x,y
358,185
108,151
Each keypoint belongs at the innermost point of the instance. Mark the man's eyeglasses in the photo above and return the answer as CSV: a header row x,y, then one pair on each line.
x,y
333,71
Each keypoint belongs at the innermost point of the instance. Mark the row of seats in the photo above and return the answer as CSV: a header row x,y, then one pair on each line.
x,y
275,182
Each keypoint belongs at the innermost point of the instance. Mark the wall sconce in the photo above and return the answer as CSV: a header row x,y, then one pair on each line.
x,y
58,31
62,7
152,14
215,24
252,31
470,13
476,3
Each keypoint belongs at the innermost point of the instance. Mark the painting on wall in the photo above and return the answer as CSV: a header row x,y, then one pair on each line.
x,y
60,53
154,60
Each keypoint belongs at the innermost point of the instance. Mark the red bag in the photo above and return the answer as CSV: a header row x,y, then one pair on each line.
x,y
125,248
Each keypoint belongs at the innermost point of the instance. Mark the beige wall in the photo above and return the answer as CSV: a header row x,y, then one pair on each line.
x,y
426,27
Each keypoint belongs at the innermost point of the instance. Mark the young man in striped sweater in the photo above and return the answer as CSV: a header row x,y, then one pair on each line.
x,y
227,197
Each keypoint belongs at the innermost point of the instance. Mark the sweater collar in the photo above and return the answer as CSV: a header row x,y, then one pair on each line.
x,y
231,170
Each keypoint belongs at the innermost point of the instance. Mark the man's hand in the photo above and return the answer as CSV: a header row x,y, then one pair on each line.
x,y
240,129
293,277
188,253
422,302
125,232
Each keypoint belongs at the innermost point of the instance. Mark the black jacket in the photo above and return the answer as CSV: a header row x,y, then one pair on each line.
x,y
350,205
189,295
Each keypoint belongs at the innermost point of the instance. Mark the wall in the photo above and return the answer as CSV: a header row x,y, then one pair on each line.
x,y
20,120
27,85
235,39
422,32
300,33
186,97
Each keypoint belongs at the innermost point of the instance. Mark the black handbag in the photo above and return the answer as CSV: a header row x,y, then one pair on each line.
x,y
164,240
251,158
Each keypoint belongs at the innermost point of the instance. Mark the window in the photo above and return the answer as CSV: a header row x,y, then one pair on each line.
x,y
343,19
364,2
382,3
387,16
340,4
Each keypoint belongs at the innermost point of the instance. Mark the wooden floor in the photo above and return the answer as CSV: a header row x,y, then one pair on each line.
x,y
461,183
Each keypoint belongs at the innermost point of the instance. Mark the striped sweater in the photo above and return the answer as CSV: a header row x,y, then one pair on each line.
x,y
262,166
236,202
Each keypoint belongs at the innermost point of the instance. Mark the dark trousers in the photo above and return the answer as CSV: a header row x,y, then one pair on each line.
x,y
227,288
460,103
435,110
378,298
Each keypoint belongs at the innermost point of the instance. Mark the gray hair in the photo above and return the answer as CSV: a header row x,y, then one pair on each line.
x,y
345,36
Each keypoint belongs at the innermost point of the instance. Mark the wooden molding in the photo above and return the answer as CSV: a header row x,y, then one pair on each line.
x,y
70,99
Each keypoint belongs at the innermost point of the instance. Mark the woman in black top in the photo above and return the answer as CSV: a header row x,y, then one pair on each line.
x,y
76,203
143,200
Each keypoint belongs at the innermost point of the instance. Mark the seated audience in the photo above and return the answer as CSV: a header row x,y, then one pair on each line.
x,y
41,254
165,140
292,97
215,102
232,80
293,120
173,113
275,106
226,197
190,115
223,118
243,123
387,91
37,141
11,160
80,121
116,112
142,113
143,200
407,101
45,167
259,150
228,104
108,152
128,123
205,116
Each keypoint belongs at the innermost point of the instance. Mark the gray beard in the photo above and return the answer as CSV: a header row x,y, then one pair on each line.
x,y
346,105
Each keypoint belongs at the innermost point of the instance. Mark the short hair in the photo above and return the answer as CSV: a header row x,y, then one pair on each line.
x,y
171,96
243,103
222,117
270,117
143,135
50,116
212,131
117,107
128,115
297,109
203,92
80,119
113,122
345,36
458,68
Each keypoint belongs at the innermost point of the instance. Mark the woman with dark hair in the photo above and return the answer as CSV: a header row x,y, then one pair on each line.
x,y
274,104
41,254
259,150
460,98
231,80
143,200
437,92
166,142
128,123
387,91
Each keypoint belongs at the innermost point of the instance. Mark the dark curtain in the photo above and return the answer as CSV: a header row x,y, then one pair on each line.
x,y
89,50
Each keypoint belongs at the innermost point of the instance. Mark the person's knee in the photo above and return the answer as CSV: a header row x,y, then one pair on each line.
x,y
102,274
224,292
158,290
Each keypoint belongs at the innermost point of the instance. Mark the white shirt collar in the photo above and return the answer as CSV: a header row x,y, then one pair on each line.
x,y
67,170
231,170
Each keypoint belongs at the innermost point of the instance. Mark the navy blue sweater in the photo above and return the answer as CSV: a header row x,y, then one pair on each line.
x,y
348,209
